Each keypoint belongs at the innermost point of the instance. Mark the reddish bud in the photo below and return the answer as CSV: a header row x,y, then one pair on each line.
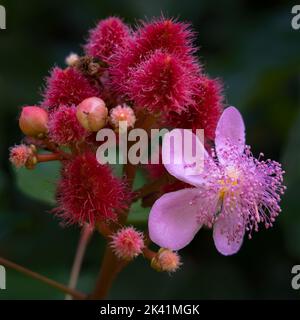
x,y
23,156
92,114
122,113
72,59
127,243
19,155
166,260
33,121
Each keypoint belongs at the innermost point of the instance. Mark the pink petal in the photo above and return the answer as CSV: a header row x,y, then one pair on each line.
x,y
230,132
181,164
228,233
173,219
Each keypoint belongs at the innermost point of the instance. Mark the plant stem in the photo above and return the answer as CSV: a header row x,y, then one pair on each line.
x,y
48,157
54,284
151,187
111,266
85,237
148,253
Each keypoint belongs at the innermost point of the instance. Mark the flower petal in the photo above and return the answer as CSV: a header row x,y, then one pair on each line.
x,y
228,233
173,219
230,132
183,156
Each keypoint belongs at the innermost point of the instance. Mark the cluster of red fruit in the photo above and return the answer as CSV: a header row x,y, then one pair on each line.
x,y
151,72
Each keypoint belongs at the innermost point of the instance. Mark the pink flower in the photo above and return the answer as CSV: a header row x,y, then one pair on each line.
x,y
234,193
108,36
67,87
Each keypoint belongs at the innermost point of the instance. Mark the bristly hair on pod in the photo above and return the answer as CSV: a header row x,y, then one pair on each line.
x,y
166,35
19,155
127,243
89,192
64,127
122,113
106,38
205,110
67,87
166,260
161,84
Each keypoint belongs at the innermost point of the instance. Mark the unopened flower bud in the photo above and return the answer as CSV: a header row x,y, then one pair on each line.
x,y
92,114
23,155
122,113
72,59
166,260
127,243
34,121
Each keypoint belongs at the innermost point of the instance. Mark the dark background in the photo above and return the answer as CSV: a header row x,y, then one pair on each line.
x,y
253,48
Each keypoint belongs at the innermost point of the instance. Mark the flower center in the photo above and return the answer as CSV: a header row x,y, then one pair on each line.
x,y
230,179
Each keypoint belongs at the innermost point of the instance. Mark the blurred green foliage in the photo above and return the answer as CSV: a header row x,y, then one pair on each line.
x,y
252,48
40,183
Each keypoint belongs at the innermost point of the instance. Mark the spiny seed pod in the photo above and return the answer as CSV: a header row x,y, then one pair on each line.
x,y
162,83
127,243
106,38
166,260
64,128
67,87
92,114
34,121
89,192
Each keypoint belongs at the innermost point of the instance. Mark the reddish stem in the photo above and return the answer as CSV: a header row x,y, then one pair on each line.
x,y
48,157
37,276
148,253
111,266
86,234
152,187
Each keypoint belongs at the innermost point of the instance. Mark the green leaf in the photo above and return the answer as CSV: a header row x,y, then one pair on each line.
x,y
39,183
139,180
138,214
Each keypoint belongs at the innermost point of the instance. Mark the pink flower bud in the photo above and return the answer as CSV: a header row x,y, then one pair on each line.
x,y
33,121
166,260
92,114
72,59
122,113
23,155
127,243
